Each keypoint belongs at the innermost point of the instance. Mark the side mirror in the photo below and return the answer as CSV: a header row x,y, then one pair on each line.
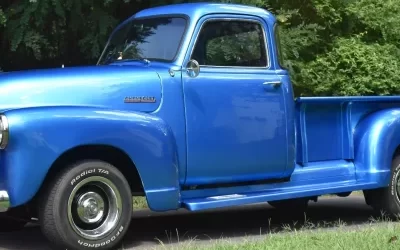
x,y
192,68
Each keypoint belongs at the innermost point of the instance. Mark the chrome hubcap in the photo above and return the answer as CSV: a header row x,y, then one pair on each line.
x,y
90,207
94,208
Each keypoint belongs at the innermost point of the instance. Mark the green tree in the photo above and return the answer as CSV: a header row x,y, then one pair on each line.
x,y
44,28
47,33
353,67
360,53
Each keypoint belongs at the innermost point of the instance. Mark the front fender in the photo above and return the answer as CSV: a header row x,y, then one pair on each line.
x,y
376,139
38,136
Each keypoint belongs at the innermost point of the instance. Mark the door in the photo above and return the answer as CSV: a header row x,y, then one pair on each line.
x,y
235,107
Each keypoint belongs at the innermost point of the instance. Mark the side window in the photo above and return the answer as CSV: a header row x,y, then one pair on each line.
x,y
231,43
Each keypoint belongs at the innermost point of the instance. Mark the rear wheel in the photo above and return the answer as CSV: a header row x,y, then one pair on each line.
x,y
387,199
88,205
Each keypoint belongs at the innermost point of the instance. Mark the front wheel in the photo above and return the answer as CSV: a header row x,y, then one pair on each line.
x,y
87,206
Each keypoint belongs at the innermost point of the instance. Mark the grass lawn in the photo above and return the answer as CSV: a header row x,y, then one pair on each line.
x,y
382,237
4,204
139,202
381,234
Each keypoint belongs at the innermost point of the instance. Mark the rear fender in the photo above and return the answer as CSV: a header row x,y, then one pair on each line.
x,y
376,139
38,136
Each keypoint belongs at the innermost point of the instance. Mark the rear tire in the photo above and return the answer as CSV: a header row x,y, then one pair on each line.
x,y
387,200
88,205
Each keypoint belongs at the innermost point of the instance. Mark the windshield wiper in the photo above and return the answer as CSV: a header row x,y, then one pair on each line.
x,y
145,60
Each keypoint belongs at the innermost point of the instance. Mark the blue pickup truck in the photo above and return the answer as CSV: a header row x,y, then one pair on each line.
x,y
189,105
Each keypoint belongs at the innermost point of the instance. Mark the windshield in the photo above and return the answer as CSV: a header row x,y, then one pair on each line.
x,y
155,39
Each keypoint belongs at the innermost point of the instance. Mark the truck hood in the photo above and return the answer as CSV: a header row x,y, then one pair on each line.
x,y
101,86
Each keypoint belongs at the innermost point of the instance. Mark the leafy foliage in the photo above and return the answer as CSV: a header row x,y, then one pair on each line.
x,y
341,47
2,18
353,68
379,18
48,32
42,27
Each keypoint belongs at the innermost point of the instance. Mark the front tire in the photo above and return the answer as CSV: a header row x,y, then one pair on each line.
x,y
86,206
387,200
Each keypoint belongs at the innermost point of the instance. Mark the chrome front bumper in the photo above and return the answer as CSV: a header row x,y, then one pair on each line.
x,y
4,201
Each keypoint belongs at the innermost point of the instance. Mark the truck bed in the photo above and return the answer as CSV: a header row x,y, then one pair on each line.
x,y
325,125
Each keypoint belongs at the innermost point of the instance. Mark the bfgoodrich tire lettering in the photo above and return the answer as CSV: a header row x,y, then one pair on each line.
x,y
76,204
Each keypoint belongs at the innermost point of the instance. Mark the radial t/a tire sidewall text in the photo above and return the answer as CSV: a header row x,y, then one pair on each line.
x,y
73,178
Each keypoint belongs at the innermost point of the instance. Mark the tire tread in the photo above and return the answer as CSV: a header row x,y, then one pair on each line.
x,y
46,207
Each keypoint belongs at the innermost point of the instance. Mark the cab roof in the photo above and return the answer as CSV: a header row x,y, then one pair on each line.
x,y
197,10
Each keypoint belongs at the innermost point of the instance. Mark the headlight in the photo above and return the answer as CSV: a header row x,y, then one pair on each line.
x,y
3,131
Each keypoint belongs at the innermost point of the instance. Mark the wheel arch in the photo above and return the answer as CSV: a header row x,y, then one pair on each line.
x,y
41,140
110,154
377,142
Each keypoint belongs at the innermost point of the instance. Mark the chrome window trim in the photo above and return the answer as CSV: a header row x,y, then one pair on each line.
x,y
267,54
4,131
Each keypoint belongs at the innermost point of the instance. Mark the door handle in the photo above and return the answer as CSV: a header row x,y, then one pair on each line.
x,y
274,84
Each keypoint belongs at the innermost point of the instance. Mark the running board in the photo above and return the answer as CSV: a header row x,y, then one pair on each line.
x,y
275,194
